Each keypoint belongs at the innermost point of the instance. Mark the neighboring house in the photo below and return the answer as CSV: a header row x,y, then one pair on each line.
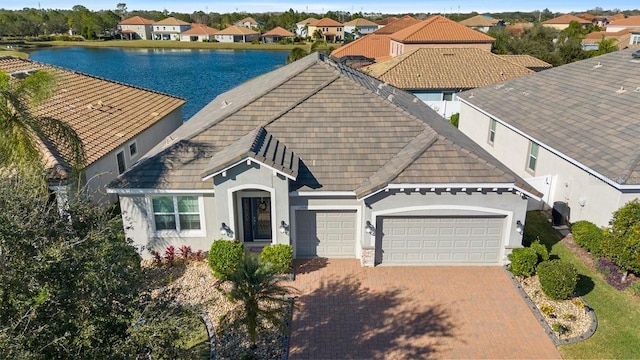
x,y
359,27
397,25
438,32
169,29
276,35
199,32
248,22
435,76
386,21
302,28
366,50
595,20
332,31
237,34
622,24
117,123
135,28
623,38
562,22
576,142
517,29
482,23
333,162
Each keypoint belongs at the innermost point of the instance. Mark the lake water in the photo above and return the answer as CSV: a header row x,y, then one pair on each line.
x,y
195,75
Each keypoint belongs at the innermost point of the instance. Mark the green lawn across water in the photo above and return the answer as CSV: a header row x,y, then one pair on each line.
x,y
618,313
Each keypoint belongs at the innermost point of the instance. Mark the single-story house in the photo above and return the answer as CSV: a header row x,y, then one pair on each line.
x,y
169,29
571,131
360,27
236,34
135,28
117,123
276,34
333,162
199,32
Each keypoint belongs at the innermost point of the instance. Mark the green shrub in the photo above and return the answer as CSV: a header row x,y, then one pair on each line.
x,y
541,250
523,261
635,288
547,310
224,257
279,256
561,329
588,236
557,278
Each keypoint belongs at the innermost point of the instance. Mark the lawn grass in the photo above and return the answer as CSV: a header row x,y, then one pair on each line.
x,y
618,313
5,52
156,44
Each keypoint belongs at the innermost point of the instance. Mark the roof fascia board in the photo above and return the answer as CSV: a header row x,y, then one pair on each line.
x,y
158,191
322,193
454,186
207,177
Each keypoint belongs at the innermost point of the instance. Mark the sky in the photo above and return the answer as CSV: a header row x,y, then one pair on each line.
x,y
322,6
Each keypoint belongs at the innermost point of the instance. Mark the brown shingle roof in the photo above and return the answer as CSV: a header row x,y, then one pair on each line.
x,y
436,68
373,46
630,21
351,132
171,21
360,22
397,25
237,30
200,29
104,113
479,21
566,19
136,20
279,31
438,29
327,22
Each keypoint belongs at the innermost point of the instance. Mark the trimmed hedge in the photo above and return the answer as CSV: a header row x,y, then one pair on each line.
x,y
588,236
279,256
558,279
523,261
225,257
541,250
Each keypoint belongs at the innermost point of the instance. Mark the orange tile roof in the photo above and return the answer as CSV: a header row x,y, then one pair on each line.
x,y
630,21
397,25
171,21
621,37
249,20
279,31
237,30
373,46
136,20
200,29
479,21
327,22
566,19
440,68
386,21
438,29
616,17
105,114
360,22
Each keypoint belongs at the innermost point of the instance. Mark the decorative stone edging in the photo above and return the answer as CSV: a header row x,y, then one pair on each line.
x,y
211,334
552,334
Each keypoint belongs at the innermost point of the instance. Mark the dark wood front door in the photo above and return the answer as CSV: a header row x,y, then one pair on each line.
x,y
256,218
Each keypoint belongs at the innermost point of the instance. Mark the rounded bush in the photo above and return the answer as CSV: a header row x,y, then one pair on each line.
x,y
541,250
225,257
588,236
279,256
558,279
523,261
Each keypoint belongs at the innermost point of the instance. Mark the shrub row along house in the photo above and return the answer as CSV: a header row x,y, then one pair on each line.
x,y
332,161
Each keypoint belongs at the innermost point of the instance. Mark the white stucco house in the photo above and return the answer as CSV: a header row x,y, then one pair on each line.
x,y
169,29
333,162
573,139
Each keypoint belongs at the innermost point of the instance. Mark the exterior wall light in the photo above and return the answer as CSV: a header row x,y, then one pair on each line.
x,y
283,228
519,227
225,230
370,229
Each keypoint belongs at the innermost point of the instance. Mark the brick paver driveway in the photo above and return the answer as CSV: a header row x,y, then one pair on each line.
x,y
349,312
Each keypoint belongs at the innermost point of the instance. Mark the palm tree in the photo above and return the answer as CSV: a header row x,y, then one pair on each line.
x,y
296,53
24,133
606,46
317,34
256,287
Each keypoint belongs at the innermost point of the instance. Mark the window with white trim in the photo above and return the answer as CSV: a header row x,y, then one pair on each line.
x,y
122,166
533,156
492,130
176,213
635,39
133,149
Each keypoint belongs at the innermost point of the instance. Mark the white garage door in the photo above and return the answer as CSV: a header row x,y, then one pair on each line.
x,y
441,240
325,233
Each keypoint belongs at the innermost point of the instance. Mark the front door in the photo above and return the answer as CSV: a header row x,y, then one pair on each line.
x,y
256,218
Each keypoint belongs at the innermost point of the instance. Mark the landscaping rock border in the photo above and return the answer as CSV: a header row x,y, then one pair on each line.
x,y
536,312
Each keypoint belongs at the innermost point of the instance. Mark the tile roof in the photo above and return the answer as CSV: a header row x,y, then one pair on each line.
x,y
566,19
630,21
105,114
386,21
373,46
441,68
249,20
327,22
351,132
479,21
309,21
200,29
621,37
171,21
439,29
616,17
528,61
279,31
360,22
587,110
136,20
237,30
397,25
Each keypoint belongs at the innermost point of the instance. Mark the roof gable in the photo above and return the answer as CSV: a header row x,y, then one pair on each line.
x,y
279,31
171,21
438,29
200,29
360,22
479,21
566,19
136,20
